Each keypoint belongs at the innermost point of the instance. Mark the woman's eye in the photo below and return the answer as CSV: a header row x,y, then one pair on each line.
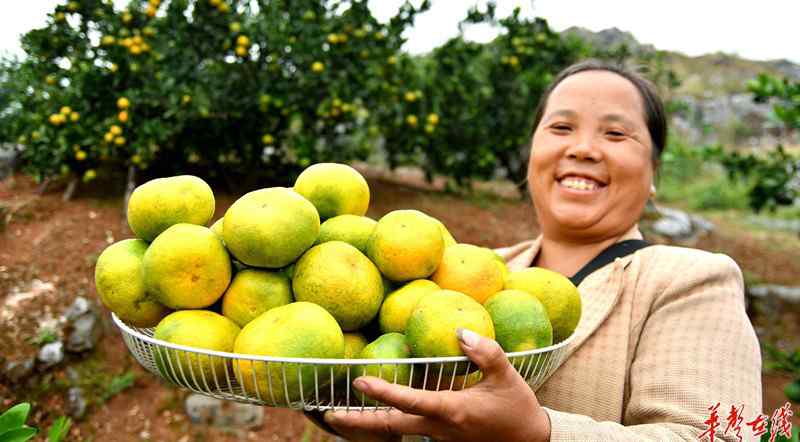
x,y
560,127
615,133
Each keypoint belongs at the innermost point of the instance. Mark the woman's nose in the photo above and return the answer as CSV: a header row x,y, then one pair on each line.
x,y
584,149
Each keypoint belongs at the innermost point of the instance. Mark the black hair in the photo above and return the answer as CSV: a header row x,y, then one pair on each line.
x,y
654,114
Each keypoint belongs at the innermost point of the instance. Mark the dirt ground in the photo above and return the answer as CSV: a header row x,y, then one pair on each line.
x,y
59,242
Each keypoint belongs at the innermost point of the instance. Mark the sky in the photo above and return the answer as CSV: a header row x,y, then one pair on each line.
x,y
762,30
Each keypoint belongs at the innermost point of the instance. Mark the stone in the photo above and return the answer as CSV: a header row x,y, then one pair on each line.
x,y
79,307
787,293
701,224
51,354
86,331
224,414
76,403
673,224
16,371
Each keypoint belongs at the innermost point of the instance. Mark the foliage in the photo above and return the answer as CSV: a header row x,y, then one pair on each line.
x,y
467,108
773,176
13,428
228,89
694,177
221,87
12,424
783,93
46,336
783,360
59,429
118,384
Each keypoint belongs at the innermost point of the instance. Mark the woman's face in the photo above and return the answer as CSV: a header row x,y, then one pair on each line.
x,y
590,167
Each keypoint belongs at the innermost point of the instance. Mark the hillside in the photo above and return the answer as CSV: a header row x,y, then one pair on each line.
x,y
705,76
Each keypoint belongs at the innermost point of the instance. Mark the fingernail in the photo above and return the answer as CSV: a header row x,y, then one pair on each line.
x,y
468,337
361,385
332,416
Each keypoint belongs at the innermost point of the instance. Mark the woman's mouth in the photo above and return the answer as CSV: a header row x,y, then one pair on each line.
x,y
579,183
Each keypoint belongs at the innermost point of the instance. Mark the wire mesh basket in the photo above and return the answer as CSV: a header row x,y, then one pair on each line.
x,y
313,384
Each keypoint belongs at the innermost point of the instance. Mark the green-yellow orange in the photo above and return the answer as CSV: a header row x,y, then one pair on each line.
x,y
200,329
217,227
354,343
341,279
187,267
406,245
471,270
334,189
556,292
160,203
398,305
501,264
446,235
297,330
352,229
270,227
119,278
387,346
431,329
520,321
252,292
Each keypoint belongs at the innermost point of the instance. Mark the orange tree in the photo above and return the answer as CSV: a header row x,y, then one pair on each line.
x,y
255,91
465,110
224,87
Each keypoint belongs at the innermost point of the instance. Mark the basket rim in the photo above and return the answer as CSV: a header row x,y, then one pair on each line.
x,y
126,329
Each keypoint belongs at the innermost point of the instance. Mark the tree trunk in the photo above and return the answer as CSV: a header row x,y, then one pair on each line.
x,y
129,187
70,190
43,187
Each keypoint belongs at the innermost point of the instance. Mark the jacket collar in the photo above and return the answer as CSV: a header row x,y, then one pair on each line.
x,y
520,256
599,291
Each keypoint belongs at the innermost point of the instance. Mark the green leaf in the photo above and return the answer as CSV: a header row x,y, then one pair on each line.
x,y
18,435
14,417
59,429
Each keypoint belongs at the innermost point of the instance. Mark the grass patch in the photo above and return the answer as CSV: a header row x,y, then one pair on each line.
x,y
688,180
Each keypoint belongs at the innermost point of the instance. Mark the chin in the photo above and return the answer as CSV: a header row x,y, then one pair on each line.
x,y
577,218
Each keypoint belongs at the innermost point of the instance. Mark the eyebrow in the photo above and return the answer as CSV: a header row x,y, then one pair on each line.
x,y
569,113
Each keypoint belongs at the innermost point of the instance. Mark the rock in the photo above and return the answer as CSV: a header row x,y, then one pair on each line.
x,y
788,294
86,331
673,224
51,354
701,225
76,404
212,411
78,308
790,225
676,226
16,371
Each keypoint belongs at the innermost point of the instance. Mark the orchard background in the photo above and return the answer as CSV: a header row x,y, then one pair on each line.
x,y
247,93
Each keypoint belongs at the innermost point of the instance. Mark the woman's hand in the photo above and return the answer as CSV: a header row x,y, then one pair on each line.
x,y
501,407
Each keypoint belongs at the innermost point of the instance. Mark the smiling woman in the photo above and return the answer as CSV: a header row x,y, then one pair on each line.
x,y
663,343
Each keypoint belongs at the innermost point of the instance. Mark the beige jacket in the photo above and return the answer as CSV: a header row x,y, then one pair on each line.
x,y
663,336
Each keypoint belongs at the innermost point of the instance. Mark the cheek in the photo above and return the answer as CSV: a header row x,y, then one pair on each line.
x,y
635,173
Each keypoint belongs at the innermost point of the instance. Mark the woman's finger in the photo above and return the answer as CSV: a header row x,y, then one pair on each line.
x,y
381,422
406,399
485,353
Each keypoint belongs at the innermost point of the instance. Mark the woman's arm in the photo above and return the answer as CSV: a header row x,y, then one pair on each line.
x,y
696,348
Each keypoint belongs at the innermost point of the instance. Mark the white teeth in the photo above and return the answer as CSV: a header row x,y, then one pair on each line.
x,y
579,183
